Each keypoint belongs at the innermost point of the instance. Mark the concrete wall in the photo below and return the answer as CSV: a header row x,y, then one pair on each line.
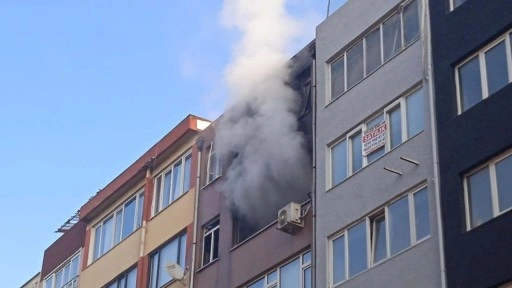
x,y
371,187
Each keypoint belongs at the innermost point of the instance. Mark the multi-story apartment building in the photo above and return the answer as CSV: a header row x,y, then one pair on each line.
x,y
231,251
135,226
472,64
376,215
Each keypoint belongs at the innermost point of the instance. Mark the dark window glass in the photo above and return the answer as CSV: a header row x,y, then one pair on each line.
x,y
392,36
421,214
399,229
337,77
140,209
496,67
411,22
469,84
479,197
456,3
504,182
355,68
373,58
357,251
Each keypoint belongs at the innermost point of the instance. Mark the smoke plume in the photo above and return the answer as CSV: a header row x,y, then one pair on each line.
x,y
269,164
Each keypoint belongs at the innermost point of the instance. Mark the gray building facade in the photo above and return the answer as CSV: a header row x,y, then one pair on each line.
x,y
376,211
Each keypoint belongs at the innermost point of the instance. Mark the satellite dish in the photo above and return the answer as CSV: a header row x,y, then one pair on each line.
x,y
175,271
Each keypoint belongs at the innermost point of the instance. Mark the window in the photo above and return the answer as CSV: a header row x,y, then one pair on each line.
x,y
172,252
488,191
118,225
211,241
66,276
294,274
398,122
485,73
214,165
172,183
126,280
394,228
388,38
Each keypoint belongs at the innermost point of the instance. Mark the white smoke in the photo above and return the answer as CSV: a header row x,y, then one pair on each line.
x,y
259,129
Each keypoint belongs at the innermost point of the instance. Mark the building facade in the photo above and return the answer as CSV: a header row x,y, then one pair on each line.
x,y
231,252
472,70
376,215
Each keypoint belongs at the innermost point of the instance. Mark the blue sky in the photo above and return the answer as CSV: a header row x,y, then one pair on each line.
x,y
85,88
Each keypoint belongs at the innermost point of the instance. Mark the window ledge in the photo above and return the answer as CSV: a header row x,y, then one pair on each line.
x,y
211,182
375,161
333,99
207,265
415,245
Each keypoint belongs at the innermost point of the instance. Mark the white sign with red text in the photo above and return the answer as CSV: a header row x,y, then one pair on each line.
x,y
374,138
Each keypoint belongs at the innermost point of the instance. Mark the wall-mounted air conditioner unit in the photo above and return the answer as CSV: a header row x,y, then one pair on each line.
x,y
289,218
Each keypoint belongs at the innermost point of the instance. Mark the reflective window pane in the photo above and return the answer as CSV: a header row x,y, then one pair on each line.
x,y
166,194
357,151
290,275
339,162
496,66
258,284
154,271
272,277
379,239
75,264
421,214
307,278
399,229
107,235
49,282
395,127
392,36
176,181
504,181
306,258
183,250
411,22
97,242
338,259
470,85
140,209
479,197
129,218
118,228
167,255
337,77
58,279
456,3
188,166
415,113
355,68
158,193
357,249
131,279
373,58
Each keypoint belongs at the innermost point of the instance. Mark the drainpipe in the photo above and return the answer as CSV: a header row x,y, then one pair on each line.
x,y
427,64
312,52
199,145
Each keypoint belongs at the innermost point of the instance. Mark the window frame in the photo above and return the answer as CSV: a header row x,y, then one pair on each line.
x,y
212,241
402,103
491,164
158,192
303,266
362,38
61,267
123,277
157,253
483,68
217,165
369,221
113,216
